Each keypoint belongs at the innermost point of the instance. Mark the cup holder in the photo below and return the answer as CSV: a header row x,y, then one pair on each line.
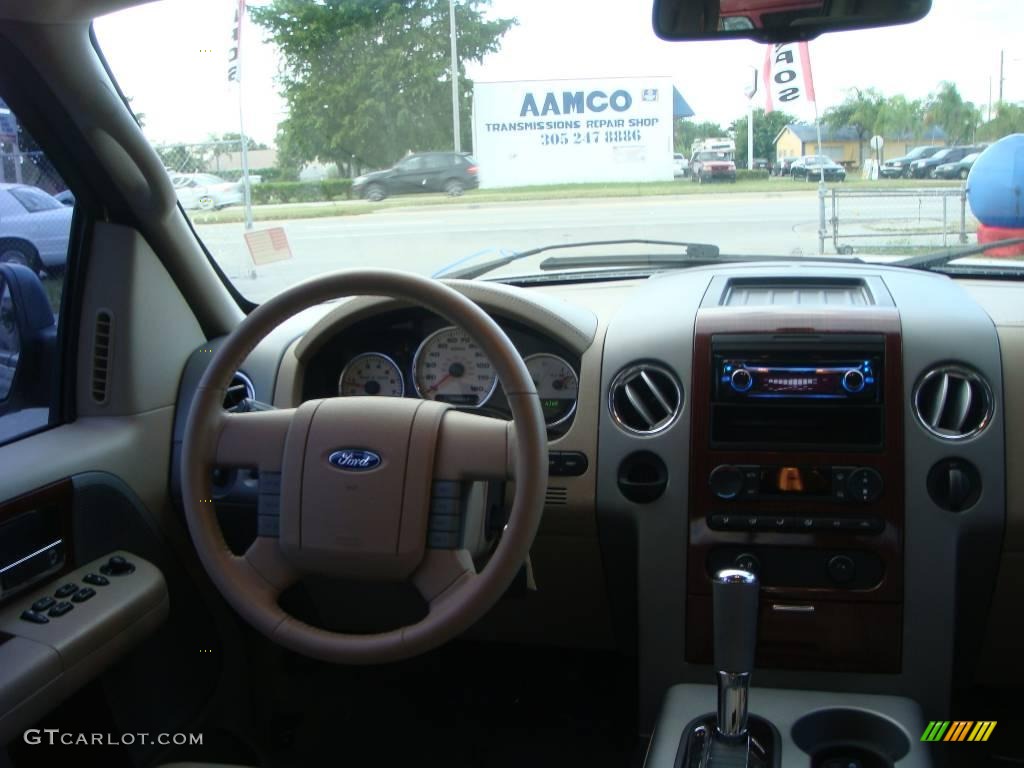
x,y
840,737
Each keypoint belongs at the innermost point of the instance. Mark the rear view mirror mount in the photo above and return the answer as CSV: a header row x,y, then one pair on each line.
x,y
778,21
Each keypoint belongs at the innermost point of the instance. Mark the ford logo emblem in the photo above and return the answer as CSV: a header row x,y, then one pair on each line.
x,y
354,459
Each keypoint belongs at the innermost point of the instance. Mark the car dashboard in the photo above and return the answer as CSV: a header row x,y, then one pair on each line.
x,y
821,424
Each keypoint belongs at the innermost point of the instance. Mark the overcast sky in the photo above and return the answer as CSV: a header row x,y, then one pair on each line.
x,y
171,57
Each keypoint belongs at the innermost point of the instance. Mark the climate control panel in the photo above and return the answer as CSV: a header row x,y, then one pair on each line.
x,y
862,485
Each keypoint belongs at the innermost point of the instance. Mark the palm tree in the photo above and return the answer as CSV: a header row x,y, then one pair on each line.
x,y
947,109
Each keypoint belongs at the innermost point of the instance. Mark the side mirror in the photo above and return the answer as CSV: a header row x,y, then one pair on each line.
x,y
778,22
28,340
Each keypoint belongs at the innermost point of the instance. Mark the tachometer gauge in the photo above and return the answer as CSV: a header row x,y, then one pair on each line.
x,y
451,368
371,373
557,385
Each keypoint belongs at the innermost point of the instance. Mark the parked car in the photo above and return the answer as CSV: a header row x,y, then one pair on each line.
x,y
899,167
958,170
449,172
810,168
761,164
712,165
206,191
784,165
34,228
680,165
922,169
67,197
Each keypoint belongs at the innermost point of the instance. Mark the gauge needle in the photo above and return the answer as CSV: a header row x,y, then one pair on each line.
x,y
438,384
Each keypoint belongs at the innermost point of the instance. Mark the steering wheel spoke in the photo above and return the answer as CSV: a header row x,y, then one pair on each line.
x,y
265,557
253,439
441,571
471,447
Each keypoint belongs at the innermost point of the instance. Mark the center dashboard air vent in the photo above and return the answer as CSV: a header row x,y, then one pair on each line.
x,y
645,398
953,402
238,390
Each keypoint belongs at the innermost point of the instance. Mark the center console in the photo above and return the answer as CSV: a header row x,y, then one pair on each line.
x,y
797,476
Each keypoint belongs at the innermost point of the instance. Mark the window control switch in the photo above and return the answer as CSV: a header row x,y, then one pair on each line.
x,y
61,608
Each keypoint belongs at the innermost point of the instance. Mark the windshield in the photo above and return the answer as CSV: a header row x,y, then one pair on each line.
x,y
575,114
34,200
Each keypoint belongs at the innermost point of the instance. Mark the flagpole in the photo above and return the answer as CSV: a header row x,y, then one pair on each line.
x,y
241,124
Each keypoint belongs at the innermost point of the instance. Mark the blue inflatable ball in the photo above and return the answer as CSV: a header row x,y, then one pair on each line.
x,y
995,187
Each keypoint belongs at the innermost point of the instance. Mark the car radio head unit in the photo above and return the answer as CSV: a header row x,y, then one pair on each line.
x,y
739,378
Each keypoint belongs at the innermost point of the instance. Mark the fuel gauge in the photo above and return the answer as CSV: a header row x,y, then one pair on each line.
x,y
557,385
371,373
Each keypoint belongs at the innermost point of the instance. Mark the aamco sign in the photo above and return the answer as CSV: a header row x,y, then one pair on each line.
x,y
573,131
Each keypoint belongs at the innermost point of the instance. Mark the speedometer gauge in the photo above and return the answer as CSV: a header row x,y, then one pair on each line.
x,y
451,368
371,373
557,386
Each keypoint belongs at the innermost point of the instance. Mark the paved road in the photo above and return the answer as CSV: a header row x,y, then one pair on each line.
x,y
424,238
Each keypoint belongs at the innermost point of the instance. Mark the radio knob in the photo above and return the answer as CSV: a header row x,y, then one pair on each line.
x,y
726,481
741,380
853,380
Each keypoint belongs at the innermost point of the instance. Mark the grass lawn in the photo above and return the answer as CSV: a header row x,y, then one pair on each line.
x,y
563,192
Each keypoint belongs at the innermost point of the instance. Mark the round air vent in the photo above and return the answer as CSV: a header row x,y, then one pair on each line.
x,y
645,398
953,402
238,390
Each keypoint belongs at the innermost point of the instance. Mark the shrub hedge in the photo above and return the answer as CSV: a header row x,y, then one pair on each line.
x,y
745,174
301,191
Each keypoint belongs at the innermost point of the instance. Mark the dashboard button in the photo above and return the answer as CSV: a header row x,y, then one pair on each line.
x,y
67,589
554,463
35,618
95,579
83,594
806,524
722,522
574,463
780,523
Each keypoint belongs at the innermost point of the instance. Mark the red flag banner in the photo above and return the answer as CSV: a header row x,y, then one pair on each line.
x,y
787,75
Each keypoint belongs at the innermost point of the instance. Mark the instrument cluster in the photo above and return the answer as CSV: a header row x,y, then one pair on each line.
x,y
412,353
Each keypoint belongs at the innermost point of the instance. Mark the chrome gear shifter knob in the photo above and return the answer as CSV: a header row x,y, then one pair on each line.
x,y
734,596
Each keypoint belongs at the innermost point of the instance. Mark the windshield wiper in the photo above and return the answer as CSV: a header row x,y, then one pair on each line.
x,y
941,258
695,252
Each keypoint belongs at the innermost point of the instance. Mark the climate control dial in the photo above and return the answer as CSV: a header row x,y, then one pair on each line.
x,y
726,481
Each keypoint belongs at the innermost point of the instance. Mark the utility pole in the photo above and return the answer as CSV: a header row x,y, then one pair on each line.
x,y
456,129
1002,58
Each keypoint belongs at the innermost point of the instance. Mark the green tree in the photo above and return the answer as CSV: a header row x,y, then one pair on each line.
x,y
370,79
687,132
900,116
1009,119
947,109
766,128
860,111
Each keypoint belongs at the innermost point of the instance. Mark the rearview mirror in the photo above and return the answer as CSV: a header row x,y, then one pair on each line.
x,y
778,21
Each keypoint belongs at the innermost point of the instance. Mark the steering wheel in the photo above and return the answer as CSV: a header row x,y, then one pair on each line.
x,y
349,487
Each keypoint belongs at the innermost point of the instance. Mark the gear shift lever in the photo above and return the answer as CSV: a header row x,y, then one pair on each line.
x,y
734,596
